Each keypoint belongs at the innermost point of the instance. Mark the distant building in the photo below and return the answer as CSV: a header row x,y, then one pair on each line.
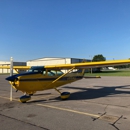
x,y
111,68
7,63
54,60
42,62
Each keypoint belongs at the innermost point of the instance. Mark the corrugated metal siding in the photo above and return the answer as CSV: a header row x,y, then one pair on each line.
x,y
48,61
52,61
7,63
4,63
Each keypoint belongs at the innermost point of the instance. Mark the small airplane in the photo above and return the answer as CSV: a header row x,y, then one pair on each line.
x,y
39,78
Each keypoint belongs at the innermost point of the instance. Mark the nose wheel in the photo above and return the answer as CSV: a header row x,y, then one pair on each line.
x,y
24,98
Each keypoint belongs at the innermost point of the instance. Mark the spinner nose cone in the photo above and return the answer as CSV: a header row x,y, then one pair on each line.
x,y
11,78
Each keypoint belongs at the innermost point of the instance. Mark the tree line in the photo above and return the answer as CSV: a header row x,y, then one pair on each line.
x,y
100,57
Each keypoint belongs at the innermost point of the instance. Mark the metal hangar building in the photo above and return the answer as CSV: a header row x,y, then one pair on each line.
x,y
53,60
7,63
42,62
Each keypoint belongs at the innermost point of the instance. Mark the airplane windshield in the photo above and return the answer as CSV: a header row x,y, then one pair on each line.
x,y
36,69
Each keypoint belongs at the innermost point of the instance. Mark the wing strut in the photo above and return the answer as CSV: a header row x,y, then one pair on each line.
x,y
57,90
60,78
16,71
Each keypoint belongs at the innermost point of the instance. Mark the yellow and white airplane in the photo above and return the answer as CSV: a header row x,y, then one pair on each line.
x,y
39,78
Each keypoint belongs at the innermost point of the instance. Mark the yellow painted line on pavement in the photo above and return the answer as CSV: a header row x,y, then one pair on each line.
x,y
33,99
58,108
8,98
105,117
69,110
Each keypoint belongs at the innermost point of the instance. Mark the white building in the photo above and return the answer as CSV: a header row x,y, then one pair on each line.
x,y
41,62
7,63
53,61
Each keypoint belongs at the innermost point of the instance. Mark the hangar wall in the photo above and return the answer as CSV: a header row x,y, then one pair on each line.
x,y
54,61
51,61
41,62
4,63
7,63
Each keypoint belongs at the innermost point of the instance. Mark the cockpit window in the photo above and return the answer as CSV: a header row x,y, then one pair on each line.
x,y
51,73
54,72
59,72
45,72
36,69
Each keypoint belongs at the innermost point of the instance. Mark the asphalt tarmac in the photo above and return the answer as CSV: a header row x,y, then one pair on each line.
x,y
94,104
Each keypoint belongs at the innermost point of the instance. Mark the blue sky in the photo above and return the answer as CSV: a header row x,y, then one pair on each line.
x,y
31,29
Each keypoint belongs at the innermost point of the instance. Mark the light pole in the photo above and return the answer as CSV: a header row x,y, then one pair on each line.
x,y
11,73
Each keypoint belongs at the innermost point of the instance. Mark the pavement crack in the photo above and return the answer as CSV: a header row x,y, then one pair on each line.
x,y
99,116
24,122
113,124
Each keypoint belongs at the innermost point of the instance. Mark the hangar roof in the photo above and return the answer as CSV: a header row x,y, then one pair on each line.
x,y
54,58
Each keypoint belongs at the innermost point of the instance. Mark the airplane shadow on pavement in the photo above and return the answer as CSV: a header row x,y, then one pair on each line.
x,y
102,91
90,93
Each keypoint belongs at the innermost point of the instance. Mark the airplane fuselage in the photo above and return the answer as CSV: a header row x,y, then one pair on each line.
x,y
41,79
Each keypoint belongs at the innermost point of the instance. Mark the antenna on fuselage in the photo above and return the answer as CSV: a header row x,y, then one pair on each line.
x,y
11,73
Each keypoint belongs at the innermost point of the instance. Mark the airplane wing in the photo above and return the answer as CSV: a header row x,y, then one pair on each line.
x,y
76,65
88,64
16,67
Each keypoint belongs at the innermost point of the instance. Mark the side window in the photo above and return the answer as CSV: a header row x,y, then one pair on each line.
x,y
44,72
51,73
59,72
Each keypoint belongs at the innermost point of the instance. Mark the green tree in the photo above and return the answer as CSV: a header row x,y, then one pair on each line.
x,y
97,58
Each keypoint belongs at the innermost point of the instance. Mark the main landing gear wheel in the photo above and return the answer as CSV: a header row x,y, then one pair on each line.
x,y
65,95
24,98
